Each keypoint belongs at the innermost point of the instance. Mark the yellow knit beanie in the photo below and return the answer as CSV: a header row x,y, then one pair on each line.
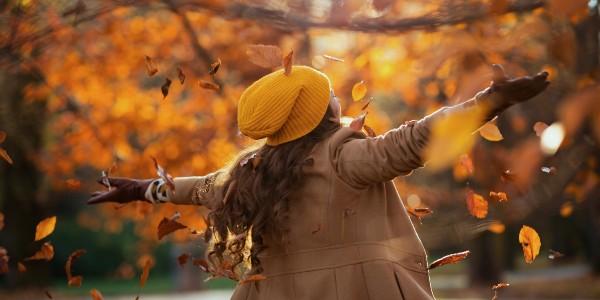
x,y
282,107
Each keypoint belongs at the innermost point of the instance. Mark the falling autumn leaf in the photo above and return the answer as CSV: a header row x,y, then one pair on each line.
x,y
208,85
4,258
477,205
96,295
182,259
463,167
530,241
449,259
539,128
145,272
419,212
165,87
553,254
214,67
358,123
162,173
288,61
44,228
498,286
490,132
45,253
369,130
73,280
496,227
167,226
180,75
359,90
566,209
21,267
266,56
367,104
73,184
1,221
332,58
151,69
255,277
499,196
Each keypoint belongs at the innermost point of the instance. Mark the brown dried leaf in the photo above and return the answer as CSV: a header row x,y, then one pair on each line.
x,y
449,259
214,67
530,241
73,280
490,132
539,127
359,90
182,259
4,258
21,267
45,227
145,272
160,171
96,295
167,226
287,62
500,286
180,75
499,196
477,205
46,253
151,68
266,56
165,87
369,130
358,122
419,212
5,156
208,85
255,277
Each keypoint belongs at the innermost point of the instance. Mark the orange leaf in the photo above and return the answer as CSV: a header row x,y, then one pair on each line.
x,y
182,259
490,132
358,122
359,90
180,75
266,56
463,168
160,171
1,221
5,156
496,227
449,259
96,295
45,227
477,205
566,209
145,272
499,196
255,277
288,61
539,127
419,212
208,85
21,267
214,67
167,226
151,69
4,258
530,241
73,281
165,87
46,253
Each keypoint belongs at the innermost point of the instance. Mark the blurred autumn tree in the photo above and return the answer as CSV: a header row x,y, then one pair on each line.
x,y
78,98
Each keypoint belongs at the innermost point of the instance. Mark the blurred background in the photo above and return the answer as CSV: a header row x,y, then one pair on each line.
x,y
82,90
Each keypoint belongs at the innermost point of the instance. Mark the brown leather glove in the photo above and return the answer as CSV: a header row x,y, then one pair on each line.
x,y
122,190
505,91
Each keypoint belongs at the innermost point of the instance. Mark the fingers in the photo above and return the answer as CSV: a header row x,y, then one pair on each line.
x,y
112,181
102,197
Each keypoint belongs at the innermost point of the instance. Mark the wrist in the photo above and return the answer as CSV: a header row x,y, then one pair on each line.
x,y
491,102
156,192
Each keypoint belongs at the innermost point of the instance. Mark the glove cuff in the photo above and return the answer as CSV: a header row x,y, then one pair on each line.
x,y
157,191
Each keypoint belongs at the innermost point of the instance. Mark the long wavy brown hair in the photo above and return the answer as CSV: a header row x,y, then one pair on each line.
x,y
258,189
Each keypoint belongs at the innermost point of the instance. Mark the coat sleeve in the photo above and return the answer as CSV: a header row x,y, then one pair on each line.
x,y
199,190
362,161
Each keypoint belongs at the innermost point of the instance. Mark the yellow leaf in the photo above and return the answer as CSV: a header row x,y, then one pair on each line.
x,y
477,205
359,90
45,227
530,241
490,132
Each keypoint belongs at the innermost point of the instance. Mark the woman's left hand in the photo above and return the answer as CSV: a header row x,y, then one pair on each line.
x,y
519,89
121,190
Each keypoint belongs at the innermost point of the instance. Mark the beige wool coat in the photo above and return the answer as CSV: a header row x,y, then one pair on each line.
x,y
351,237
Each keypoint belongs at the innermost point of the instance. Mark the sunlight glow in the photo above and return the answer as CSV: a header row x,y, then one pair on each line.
x,y
552,137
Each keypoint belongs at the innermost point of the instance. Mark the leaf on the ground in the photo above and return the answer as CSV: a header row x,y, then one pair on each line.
x,y
21,267
182,259
45,227
255,277
151,68
490,132
449,259
162,173
553,254
214,67
358,122
359,90
499,196
167,226
549,170
208,85
369,130
165,87
266,56
73,280
202,264
145,272
288,62
539,128
96,295
530,241
180,75
477,205
4,258
5,156
566,209
46,252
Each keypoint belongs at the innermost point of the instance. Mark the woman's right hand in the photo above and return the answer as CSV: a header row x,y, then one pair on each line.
x,y
121,190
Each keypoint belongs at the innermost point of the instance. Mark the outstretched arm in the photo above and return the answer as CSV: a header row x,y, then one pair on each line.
x,y
362,162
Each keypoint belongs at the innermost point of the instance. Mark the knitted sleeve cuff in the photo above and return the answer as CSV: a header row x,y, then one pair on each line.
x,y
157,191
